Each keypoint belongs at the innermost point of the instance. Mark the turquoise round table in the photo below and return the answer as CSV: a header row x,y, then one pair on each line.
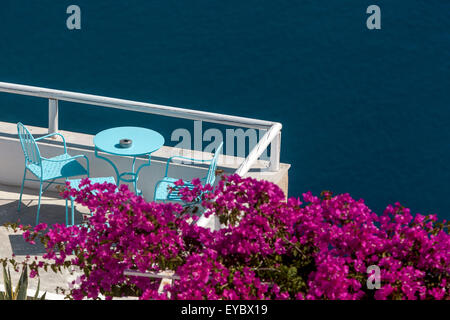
x,y
144,143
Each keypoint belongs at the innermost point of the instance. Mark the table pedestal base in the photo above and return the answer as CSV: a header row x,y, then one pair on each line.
x,y
134,174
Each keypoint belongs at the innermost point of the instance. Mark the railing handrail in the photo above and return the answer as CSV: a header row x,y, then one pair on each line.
x,y
274,128
135,106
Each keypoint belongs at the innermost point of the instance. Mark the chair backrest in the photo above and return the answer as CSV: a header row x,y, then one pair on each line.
x,y
29,146
211,176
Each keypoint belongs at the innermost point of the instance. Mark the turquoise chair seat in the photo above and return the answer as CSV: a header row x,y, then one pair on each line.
x,y
75,184
166,190
58,167
47,170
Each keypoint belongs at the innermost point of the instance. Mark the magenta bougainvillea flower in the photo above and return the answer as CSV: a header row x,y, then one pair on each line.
x,y
313,247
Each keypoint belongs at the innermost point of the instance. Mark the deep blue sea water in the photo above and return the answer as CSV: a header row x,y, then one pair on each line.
x,y
365,112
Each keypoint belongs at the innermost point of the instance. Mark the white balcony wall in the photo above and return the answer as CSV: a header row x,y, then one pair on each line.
x,y
12,161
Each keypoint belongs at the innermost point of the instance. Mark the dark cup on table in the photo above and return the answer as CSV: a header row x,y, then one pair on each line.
x,y
125,143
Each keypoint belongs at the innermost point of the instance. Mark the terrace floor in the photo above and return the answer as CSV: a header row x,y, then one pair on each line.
x,y
52,211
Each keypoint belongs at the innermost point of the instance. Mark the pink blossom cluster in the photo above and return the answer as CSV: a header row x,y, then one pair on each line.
x,y
314,247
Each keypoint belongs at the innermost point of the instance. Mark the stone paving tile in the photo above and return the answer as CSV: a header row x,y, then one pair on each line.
x,y
52,211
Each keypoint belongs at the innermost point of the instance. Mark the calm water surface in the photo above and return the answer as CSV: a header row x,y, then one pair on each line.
x,y
364,112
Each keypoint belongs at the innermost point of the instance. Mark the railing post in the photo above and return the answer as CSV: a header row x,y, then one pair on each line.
x,y
52,115
271,137
275,150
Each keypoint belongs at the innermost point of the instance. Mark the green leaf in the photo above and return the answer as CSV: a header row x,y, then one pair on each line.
x,y
7,281
22,286
292,272
37,290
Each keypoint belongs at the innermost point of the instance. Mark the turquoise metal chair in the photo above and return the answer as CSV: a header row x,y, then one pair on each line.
x,y
47,170
75,184
166,190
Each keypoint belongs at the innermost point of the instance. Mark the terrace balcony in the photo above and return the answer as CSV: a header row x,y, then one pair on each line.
x,y
53,206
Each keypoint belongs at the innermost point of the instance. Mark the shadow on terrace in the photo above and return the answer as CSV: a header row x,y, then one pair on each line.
x,y
52,212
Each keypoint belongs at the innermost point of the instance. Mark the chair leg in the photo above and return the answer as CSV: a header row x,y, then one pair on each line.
x,y
67,213
39,203
73,211
21,189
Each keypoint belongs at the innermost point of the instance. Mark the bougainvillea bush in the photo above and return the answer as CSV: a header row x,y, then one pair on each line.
x,y
313,247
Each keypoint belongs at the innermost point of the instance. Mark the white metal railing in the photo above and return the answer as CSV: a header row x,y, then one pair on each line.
x,y
271,137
